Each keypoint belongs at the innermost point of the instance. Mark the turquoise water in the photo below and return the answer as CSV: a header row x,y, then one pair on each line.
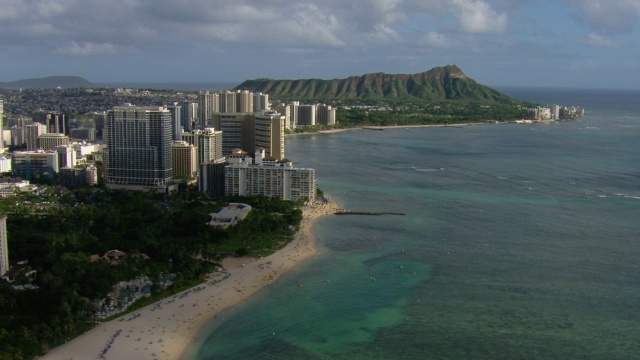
x,y
520,242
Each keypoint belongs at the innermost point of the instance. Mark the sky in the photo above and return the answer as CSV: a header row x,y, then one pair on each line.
x,y
539,43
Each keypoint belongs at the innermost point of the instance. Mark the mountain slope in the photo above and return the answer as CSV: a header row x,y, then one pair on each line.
x,y
438,84
48,82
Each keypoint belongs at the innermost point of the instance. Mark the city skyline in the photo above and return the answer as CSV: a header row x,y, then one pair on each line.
x,y
566,43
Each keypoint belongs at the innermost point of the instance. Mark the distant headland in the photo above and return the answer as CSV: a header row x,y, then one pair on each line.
x,y
49,82
441,83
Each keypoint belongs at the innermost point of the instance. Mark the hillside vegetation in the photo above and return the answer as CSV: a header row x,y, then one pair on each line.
x,y
48,83
436,85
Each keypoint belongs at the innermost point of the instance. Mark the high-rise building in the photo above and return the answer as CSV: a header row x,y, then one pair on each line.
x,y
17,135
244,101
176,120
285,110
211,178
185,160
66,156
208,142
326,115
49,141
249,131
269,134
138,147
261,102
306,115
293,106
4,246
57,123
208,103
31,133
189,115
99,119
227,102
237,131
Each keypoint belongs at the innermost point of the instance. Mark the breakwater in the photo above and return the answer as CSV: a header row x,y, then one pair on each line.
x,y
364,212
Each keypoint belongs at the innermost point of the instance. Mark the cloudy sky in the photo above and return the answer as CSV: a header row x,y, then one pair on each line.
x,y
559,43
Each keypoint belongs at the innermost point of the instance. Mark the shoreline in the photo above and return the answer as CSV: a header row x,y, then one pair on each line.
x,y
168,328
383,127
455,125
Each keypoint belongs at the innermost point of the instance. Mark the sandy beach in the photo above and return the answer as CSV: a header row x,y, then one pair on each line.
x,y
165,329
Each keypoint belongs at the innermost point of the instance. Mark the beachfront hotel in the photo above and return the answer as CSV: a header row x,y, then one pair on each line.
x,y
138,148
270,177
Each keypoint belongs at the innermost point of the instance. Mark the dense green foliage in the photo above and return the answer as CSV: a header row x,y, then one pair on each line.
x,y
58,231
419,114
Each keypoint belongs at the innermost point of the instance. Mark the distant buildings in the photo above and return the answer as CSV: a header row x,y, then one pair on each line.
x,y
297,114
139,148
240,101
556,112
147,147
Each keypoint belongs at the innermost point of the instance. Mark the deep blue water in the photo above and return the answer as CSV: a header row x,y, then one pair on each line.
x,y
520,242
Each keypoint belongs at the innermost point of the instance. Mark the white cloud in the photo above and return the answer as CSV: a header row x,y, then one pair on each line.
x,y
51,8
436,39
88,49
599,41
609,16
11,9
477,16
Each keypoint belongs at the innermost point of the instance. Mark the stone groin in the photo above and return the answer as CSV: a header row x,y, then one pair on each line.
x,y
363,212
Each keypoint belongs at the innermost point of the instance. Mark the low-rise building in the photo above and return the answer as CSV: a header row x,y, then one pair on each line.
x,y
229,215
33,164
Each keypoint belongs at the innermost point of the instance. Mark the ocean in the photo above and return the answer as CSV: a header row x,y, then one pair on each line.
x,y
519,242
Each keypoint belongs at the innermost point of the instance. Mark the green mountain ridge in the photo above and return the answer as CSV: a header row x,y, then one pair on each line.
x,y
48,83
438,84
